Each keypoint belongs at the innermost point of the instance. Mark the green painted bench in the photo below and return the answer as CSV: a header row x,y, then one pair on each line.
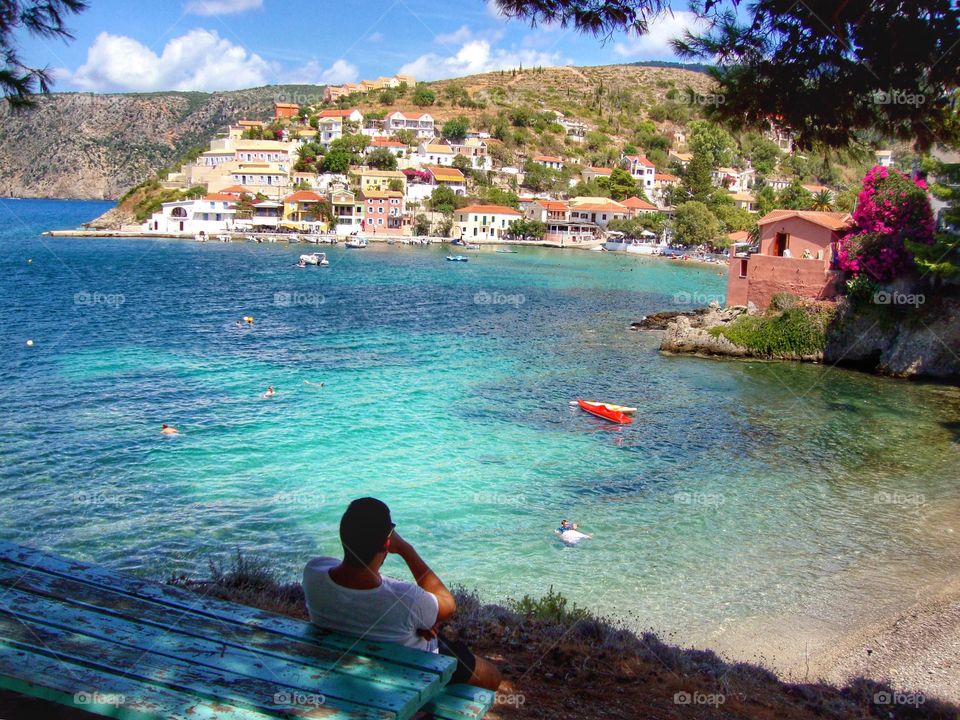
x,y
115,645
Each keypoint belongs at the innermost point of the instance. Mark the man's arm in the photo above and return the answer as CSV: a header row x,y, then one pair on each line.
x,y
424,576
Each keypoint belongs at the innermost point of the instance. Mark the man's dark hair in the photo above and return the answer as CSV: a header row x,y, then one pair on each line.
x,y
363,529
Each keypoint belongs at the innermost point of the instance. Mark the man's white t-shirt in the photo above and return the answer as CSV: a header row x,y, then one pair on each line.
x,y
390,613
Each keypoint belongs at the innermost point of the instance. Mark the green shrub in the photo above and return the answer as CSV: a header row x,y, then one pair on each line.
x,y
551,607
795,331
783,301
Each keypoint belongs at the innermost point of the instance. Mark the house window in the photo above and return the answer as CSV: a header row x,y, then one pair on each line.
x,y
474,231
743,267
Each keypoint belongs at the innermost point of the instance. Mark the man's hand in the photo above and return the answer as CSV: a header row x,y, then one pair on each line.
x,y
398,545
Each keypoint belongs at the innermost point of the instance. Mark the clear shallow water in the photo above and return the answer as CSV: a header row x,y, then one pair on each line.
x,y
743,490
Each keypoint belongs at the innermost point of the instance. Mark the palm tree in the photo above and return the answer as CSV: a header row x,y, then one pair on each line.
x,y
823,201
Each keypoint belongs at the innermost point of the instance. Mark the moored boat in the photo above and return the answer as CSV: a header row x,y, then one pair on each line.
x,y
356,242
601,411
316,258
457,258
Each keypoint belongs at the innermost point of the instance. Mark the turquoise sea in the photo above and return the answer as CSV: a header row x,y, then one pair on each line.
x,y
744,490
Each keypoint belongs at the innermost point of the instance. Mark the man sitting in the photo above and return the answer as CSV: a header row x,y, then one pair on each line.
x,y
351,596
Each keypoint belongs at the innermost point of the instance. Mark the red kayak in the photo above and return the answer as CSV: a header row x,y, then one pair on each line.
x,y
601,410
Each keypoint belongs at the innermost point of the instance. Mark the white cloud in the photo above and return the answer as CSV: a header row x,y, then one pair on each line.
x,y
655,44
313,73
221,7
477,56
198,60
458,36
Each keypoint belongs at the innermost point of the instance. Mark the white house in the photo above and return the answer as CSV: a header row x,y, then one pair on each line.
x,y
210,214
548,161
734,179
420,123
884,157
484,222
330,123
643,171
597,210
429,153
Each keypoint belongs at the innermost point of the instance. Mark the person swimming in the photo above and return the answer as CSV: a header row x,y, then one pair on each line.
x,y
570,533
167,430
270,392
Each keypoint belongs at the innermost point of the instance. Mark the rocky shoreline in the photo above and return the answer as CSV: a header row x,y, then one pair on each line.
x,y
689,332
916,342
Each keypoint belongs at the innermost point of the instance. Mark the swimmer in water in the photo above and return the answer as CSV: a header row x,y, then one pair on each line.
x,y
270,392
564,526
167,430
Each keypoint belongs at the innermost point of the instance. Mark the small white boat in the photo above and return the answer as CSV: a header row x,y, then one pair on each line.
x,y
457,258
250,238
472,246
200,236
223,238
293,239
316,258
356,242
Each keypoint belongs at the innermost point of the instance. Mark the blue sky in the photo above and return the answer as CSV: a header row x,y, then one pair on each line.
x,y
148,45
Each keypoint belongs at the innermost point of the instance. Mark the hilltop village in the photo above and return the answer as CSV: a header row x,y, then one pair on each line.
x,y
340,166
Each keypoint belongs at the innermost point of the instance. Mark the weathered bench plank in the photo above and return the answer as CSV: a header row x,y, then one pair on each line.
x,y
268,645
181,599
460,702
211,684
201,654
89,689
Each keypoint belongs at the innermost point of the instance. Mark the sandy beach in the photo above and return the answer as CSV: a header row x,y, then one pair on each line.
x,y
907,633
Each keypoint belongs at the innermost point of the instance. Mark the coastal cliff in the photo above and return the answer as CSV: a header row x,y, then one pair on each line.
x,y
918,340
89,146
911,340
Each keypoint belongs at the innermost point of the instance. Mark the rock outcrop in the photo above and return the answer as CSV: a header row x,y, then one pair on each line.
x,y
920,340
689,332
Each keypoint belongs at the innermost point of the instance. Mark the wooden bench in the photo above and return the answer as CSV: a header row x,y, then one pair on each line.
x,y
115,645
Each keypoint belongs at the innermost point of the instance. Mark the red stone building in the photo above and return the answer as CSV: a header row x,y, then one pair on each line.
x,y
285,110
796,255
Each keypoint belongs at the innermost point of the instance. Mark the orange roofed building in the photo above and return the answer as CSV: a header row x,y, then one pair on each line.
x,y
796,255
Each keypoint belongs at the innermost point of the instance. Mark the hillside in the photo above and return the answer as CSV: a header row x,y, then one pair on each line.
x,y
76,145
81,145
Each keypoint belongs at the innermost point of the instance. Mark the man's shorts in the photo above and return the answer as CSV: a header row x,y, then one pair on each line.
x,y
466,660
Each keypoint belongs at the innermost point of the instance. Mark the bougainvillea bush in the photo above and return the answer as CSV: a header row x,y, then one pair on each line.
x,y
891,209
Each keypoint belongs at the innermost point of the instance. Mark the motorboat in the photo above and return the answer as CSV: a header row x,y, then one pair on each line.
x,y
356,242
457,258
315,258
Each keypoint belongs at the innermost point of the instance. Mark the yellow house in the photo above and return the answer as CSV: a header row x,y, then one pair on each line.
x,y
302,206
379,180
